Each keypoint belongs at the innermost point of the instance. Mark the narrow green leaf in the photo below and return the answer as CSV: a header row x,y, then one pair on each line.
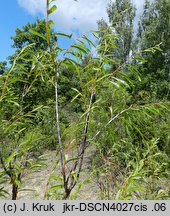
x,y
37,108
17,166
126,77
63,35
56,178
76,54
27,189
74,176
18,183
81,48
101,78
37,34
76,91
139,58
10,158
50,23
121,81
75,63
88,40
56,187
52,9
75,97
115,84
38,165
13,102
72,159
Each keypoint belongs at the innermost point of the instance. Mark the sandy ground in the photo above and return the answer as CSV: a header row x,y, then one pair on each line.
x,y
34,183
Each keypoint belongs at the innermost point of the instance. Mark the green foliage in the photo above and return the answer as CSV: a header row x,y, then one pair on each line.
x,y
3,67
121,14
155,18
128,172
25,36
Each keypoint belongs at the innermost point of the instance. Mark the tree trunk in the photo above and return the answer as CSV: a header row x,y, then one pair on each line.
x,y
14,191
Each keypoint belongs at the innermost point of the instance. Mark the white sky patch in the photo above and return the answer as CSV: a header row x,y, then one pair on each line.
x,y
33,6
70,15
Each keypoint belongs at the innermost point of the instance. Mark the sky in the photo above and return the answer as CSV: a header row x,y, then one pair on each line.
x,y
71,16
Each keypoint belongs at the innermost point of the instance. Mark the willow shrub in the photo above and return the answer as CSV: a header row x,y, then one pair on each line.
x,y
16,135
108,116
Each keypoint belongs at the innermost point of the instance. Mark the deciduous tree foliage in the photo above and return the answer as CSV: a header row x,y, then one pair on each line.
x,y
121,14
154,29
3,67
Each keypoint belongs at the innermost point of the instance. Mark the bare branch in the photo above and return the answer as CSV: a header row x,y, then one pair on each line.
x,y
111,120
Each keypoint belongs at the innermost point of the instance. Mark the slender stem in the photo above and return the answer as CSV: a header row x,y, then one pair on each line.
x,y
82,146
56,68
58,127
104,126
14,191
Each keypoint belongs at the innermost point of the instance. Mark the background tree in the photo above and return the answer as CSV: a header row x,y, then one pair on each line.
x,y
3,67
121,14
154,29
24,37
